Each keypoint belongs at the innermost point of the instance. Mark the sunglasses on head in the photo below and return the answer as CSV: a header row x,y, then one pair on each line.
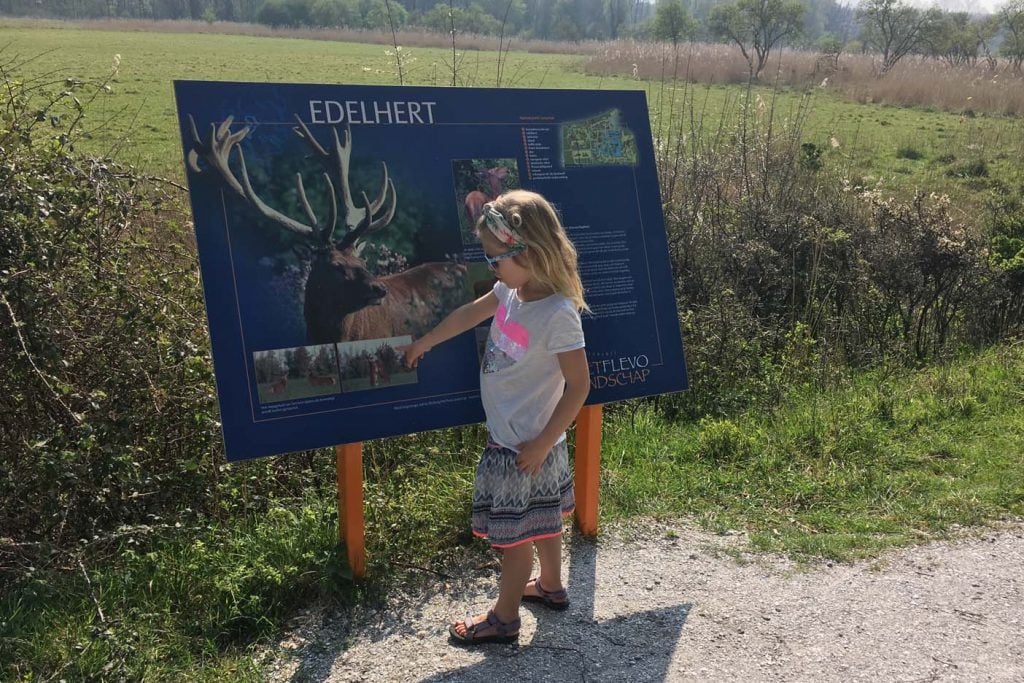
x,y
493,261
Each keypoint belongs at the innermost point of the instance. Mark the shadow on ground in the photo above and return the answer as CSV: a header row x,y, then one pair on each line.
x,y
583,643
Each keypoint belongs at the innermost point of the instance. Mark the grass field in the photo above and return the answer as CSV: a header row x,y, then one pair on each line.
x,y
296,389
887,459
906,149
878,459
363,383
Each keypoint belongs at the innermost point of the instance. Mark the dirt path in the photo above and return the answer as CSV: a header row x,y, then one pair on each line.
x,y
674,604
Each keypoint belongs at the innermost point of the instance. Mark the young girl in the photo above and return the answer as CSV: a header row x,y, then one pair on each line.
x,y
533,382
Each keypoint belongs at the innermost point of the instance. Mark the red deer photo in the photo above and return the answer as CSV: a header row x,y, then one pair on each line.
x,y
296,373
374,364
343,298
478,181
321,380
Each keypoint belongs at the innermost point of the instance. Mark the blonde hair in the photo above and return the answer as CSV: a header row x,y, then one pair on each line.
x,y
551,259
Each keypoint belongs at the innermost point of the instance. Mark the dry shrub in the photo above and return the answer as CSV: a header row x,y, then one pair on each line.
x,y
786,272
917,81
914,81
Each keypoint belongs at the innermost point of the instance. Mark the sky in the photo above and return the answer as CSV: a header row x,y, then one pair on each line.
x,y
961,5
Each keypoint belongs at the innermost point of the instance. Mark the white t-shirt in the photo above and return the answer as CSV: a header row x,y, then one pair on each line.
x,y
520,379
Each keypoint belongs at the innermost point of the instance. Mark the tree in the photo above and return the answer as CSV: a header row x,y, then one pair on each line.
x,y
1012,19
954,38
894,28
510,14
472,20
275,13
617,12
941,39
381,15
330,13
300,362
757,26
568,21
268,367
324,364
672,21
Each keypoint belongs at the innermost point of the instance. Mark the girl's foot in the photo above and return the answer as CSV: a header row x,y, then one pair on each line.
x,y
556,599
484,628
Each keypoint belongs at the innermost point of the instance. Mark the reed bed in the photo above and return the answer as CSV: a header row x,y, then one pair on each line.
x,y
915,81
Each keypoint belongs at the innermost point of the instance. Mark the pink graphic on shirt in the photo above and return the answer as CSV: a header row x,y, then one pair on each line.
x,y
510,337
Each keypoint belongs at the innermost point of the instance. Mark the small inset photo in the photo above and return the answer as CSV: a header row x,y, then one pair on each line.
x,y
478,181
374,363
480,279
297,372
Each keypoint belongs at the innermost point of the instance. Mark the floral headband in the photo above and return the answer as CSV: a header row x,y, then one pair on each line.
x,y
500,228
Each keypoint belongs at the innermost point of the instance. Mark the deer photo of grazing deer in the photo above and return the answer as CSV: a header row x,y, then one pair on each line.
x,y
476,199
374,363
342,300
321,380
280,386
378,373
478,181
296,373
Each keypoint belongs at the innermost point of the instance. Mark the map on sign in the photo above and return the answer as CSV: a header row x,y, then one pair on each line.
x,y
601,140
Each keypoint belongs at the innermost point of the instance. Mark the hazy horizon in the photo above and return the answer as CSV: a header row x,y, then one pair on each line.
x,y
973,6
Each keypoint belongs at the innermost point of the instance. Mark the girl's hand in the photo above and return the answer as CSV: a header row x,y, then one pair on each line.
x,y
413,353
532,455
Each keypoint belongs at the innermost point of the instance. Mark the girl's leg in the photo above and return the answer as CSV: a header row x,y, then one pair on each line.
x,y
516,565
549,550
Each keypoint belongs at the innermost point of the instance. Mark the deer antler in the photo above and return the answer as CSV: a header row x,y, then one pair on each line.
x,y
217,150
217,153
360,220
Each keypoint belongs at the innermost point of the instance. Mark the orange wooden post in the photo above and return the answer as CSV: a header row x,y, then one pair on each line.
x,y
588,468
350,504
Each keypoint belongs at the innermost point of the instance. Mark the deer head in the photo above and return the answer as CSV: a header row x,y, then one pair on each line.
x,y
494,176
339,283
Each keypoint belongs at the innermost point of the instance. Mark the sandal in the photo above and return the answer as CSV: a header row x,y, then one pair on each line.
x,y
504,632
556,600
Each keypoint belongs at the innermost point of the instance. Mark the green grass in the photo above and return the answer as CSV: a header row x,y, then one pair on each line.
x,y
187,603
363,383
882,461
137,118
297,388
176,603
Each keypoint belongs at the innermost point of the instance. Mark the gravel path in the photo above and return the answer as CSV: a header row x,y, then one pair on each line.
x,y
669,603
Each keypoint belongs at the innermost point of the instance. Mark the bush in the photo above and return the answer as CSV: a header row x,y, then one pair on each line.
x,y
108,408
907,152
786,271
723,441
977,168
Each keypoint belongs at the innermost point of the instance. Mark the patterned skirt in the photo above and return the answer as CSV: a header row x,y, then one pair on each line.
x,y
511,507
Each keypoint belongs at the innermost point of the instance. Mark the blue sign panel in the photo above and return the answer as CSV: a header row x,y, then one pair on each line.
x,y
334,225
